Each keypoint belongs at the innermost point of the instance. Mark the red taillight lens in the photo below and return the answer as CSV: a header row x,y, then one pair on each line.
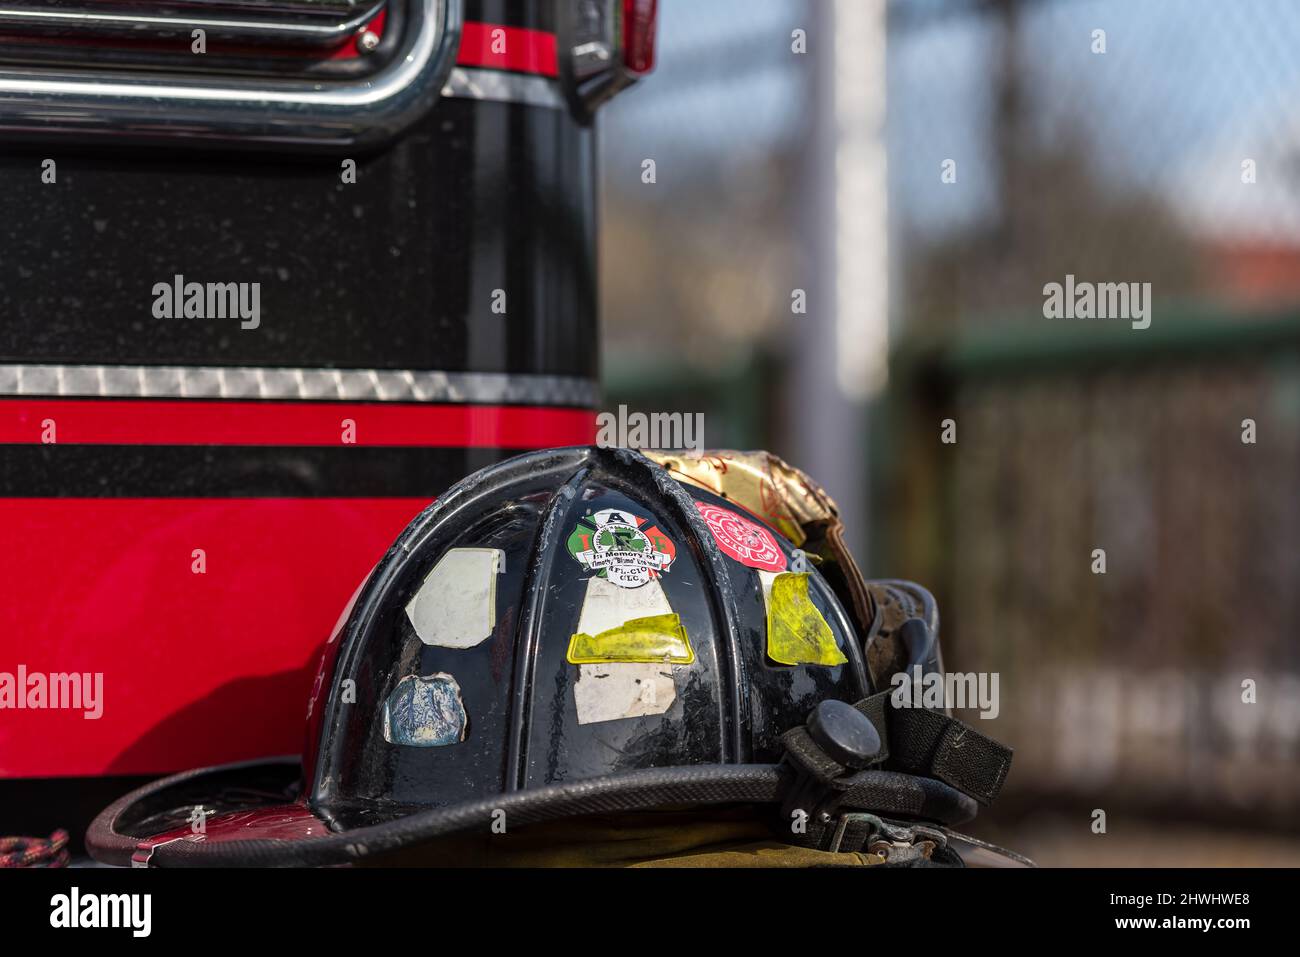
x,y
639,35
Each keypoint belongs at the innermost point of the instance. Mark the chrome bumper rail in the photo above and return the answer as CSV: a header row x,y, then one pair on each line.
x,y
284,25
240,111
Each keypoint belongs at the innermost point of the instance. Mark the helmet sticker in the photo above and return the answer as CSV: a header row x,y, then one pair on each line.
x,y
425,712
610,692
747,542
621,547
456,605
626,644
658,638
631,625
606,606
797,634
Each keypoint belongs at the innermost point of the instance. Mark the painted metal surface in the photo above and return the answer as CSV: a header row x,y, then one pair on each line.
x,y
395,272
177,435
348,426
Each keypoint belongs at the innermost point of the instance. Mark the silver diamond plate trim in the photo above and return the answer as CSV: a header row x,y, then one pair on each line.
x,y
472,84
231,382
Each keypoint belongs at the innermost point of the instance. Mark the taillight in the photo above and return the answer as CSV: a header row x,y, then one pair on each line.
x,y
639,35
605,45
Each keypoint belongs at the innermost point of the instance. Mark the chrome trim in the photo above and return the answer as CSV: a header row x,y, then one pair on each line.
x,y
475,84
155,108
127,22
322,8
977,853
253,382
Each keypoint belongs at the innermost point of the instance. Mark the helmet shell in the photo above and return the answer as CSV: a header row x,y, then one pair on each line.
x,y
459,684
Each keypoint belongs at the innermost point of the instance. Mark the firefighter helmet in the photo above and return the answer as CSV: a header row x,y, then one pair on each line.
x,y
585,630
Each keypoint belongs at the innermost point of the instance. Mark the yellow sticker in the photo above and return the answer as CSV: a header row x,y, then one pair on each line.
x,y
797,634
658,638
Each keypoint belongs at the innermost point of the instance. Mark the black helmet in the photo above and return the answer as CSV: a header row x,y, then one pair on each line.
x,y
582,631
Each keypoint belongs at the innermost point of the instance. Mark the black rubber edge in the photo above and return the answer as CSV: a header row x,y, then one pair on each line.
x,y
886,791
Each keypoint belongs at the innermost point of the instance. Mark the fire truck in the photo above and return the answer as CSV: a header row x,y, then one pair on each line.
x,y
386,210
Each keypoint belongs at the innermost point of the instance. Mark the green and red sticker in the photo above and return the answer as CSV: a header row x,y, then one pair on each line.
x,y
622,547
747,542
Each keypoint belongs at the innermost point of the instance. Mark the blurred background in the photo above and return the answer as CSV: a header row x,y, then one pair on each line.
x,y
855,208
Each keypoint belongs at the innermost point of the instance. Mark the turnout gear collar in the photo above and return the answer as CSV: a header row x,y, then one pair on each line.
x,y
583,631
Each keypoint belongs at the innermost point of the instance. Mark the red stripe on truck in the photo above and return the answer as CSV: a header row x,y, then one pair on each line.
x,y
229,422
500,47
197,667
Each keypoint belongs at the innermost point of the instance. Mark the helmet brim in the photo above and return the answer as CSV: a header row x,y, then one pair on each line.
x,y
256,800
258,821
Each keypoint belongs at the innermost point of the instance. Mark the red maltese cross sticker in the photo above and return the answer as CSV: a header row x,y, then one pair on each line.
x,y
745,541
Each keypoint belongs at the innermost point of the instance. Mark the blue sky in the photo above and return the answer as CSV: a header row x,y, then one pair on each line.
x,y
1185,85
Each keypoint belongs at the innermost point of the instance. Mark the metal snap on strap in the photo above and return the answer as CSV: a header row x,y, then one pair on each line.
x,y
899,842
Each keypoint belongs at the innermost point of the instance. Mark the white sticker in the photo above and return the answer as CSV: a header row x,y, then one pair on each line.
x,y
456,606
608,692
607,605
765,579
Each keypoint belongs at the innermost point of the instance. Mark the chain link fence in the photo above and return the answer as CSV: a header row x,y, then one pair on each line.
x,y
1029,143
1111,142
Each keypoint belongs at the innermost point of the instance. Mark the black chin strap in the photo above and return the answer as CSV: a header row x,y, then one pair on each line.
x,y
930,743
830,756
